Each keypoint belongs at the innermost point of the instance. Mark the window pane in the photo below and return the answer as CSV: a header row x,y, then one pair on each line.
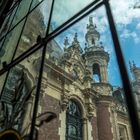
x,y
65,9
22,11
35,26
36,2
128,28
7,23
9,46
19,94
2,79
80,66
72,59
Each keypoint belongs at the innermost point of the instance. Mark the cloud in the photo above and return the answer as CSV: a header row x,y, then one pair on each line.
x,y
127,35
138,26
65,9
124,11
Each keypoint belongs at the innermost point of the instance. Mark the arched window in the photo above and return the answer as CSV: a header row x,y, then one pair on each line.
x,y
73,122
96,73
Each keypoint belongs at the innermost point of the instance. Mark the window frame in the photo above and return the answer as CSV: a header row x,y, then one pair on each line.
x,y
49,36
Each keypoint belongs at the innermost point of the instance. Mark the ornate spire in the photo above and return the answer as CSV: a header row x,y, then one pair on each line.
x,y
132,65
90,20
92,35
66,42
75,40
91,25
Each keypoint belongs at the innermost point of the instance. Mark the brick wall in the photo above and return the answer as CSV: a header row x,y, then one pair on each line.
x,y
94,128
49,131
103,121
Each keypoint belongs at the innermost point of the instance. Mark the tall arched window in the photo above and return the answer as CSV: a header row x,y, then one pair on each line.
x,y
96,73
73,122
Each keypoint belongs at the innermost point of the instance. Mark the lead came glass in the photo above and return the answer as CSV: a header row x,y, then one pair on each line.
x,y
74,122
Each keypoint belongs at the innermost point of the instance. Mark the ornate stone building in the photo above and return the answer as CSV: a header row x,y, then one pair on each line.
x,y
75,87
136,84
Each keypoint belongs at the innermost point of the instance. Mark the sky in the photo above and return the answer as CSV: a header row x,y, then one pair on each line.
x,y
127,19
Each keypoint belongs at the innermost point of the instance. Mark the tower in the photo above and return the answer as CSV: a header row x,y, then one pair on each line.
x,y
96,57
136,84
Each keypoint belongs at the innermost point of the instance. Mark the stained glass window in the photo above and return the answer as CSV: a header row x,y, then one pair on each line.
x,y
74,122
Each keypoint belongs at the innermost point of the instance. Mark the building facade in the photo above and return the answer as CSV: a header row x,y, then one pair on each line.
x,y
136,84
74,86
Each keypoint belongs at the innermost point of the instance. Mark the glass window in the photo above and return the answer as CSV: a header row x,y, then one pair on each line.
x,y
2,81
65,9
9,45
17,99
22,10
7,23
128,28
73,122
122,132
36,2
80,61
35,26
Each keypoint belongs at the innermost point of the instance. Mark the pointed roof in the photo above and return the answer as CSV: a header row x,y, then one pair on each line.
x,y
91,29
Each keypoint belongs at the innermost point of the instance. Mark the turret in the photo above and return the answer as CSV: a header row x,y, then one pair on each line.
x,y
135,71
92,35
96,57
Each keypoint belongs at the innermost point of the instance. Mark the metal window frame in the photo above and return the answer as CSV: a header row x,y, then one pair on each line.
x,y
123,71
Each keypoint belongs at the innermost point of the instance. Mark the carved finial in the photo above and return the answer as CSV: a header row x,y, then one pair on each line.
x,y
66,41
87,26
75,40
90,20
134,65
130,65
75,37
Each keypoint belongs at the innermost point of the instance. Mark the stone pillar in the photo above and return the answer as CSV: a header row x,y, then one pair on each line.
x,y
103,119
94,128
85,129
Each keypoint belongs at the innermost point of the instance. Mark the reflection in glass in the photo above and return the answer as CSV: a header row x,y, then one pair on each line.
x,y
68,86
21,11
35,2
18,96
7,23
128,28
67,8
35,26
8,48
84,55
2,79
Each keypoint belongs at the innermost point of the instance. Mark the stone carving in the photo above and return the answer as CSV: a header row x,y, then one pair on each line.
x,y
65,97
90,109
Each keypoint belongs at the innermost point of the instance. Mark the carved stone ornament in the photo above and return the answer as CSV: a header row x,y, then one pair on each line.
x,y
64,101
90,110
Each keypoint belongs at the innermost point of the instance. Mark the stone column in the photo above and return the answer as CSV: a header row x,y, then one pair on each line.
x,y
103,119
85,133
